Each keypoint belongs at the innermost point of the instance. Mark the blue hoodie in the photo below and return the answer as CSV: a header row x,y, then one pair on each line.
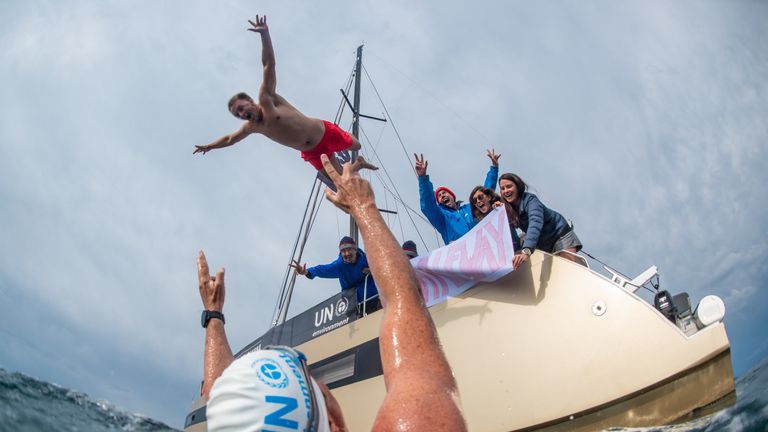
x,y
450,223
349,275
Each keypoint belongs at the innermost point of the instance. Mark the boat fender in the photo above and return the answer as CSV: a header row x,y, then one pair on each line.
x,y
711,309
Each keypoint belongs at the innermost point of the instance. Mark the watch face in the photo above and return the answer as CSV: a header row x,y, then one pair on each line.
x,y
204,318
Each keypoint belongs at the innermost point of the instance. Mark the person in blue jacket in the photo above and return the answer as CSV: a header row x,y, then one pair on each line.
x,y
544,228
450,218
350,268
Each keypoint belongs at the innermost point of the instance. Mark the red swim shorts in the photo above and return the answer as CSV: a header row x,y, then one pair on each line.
x,y
334,139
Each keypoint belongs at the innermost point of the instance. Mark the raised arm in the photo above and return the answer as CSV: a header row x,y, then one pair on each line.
x,y
225,141
269,82
218,354
413,361
427,195
493,171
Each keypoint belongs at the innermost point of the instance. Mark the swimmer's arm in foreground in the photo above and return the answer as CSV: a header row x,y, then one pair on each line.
x,y
218,354
421,390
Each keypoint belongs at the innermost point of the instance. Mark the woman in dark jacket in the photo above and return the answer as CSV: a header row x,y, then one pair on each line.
x,y
482,200
544,228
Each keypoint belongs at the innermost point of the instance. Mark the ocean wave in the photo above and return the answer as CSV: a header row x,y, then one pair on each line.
x,y
28,404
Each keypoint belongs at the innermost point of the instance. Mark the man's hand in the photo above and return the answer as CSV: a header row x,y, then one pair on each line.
x,y
421,165
260,26
202,149
353,192
299,268
211,287
494,157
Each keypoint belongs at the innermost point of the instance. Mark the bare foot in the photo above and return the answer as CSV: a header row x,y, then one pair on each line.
x,y
361,163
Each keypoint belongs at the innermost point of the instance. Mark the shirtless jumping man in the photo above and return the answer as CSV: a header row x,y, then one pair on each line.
x,y
278,120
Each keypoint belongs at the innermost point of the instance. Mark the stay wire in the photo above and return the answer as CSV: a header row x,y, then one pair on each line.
x,y
396,194
389,117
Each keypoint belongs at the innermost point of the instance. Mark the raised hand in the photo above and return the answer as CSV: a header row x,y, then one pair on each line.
x,y
260,26
299,268
202,149
211,287
353,192
421,165
494,157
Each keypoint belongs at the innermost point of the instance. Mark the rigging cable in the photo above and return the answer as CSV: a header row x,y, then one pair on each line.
x,y
396,194
402,145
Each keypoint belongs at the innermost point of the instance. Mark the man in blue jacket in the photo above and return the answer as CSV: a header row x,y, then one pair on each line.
x,y
351,269
450,218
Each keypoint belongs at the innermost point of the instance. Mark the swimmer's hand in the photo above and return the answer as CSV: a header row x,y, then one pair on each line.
x,y
353,193
260,26
211,287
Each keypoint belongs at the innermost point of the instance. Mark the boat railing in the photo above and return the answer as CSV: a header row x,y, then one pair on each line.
x,y
622,281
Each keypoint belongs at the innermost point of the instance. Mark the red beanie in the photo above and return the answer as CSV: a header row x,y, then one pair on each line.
x,y
443,188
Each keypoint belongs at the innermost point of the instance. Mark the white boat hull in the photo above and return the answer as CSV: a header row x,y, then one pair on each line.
x,y
555,346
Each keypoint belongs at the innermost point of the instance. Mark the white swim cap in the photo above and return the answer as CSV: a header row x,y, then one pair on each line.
x,y
267,389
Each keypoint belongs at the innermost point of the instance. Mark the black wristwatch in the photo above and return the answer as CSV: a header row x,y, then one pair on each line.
x,y
208,315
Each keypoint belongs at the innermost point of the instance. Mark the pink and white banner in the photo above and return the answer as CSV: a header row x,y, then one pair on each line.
x,y
484,254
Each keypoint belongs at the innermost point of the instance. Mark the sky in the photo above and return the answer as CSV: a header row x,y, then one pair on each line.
x,y
644,122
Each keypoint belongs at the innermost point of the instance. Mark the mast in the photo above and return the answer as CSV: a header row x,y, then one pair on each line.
x,y
310,212
353,230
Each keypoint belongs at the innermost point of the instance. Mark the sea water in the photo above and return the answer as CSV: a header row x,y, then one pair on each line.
x,y
27,404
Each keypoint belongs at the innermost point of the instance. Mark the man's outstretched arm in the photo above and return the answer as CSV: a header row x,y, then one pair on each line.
x,y
269,82
218,355
421,389
225,141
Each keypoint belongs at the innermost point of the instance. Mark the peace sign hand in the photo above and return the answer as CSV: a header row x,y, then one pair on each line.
x,y
211,287
421,165
494,157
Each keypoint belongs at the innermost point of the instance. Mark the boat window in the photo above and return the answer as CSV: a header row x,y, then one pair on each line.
x,y
336,370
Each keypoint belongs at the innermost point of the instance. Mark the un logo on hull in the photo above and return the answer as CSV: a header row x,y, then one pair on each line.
x,y
341,306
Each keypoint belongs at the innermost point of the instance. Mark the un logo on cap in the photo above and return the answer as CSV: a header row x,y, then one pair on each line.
x,y
270,373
